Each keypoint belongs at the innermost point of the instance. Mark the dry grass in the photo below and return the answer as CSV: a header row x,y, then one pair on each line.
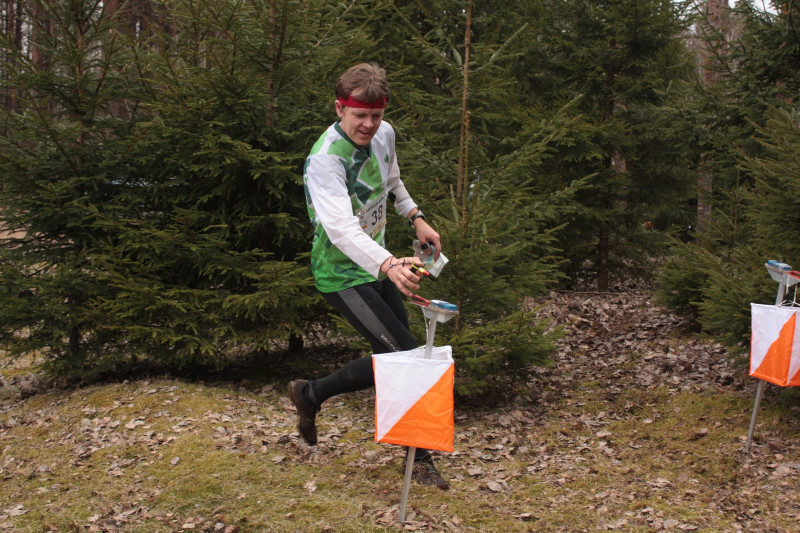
x,y
588,444
169,456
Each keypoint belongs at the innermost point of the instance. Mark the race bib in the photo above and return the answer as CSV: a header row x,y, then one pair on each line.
x,y
373,216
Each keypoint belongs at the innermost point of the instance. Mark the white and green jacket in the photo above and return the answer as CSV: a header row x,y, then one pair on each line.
x,y
346,188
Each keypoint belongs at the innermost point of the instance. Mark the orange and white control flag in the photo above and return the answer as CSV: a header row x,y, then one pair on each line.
x,y
775,344
414,398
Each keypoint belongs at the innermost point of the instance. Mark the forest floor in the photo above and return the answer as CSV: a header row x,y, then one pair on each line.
x,y
637,425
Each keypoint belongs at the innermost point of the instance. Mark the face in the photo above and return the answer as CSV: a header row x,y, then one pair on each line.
x,y
359,124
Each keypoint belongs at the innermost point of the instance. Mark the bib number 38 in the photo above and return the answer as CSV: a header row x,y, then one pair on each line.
x,y
373,216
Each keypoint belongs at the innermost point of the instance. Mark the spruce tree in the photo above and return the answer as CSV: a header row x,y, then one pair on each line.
x,y
625,62
152,178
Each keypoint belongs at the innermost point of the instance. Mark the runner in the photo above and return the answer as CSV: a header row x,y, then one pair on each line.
x,y
350,175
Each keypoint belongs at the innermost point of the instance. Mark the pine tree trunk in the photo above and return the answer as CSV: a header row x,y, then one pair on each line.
x,y
463,158
295,343
269,118
615,164
111,9
74,342
717,17
705,183
618,165
13,28
277,40
602,259
40,59
462,185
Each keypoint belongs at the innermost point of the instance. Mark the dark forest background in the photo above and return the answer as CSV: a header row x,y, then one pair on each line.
x,y
151,155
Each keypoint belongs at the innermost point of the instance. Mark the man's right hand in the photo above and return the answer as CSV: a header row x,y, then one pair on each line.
x,y
400,273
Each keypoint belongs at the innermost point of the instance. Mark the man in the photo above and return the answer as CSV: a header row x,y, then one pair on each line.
x,y
349,175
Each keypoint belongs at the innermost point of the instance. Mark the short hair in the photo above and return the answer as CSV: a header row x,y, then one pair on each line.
x,y
368,77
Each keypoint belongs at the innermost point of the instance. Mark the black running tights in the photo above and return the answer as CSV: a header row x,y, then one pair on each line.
x,y
375,310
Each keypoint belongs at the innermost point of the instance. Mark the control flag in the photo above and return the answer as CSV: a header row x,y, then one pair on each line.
x,y
775,344
414,398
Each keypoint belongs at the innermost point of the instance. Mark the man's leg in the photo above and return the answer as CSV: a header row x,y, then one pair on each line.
x,y
375,310
379,315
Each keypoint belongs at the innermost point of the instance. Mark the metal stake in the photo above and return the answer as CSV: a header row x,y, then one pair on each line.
x,y
431,332
757,403
760,390
433,319
401,517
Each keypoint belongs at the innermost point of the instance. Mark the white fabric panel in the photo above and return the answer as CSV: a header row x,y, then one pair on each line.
x,y
401,379
765,330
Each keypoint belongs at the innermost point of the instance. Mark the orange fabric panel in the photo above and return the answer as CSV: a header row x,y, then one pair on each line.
x,y
775,366
429,422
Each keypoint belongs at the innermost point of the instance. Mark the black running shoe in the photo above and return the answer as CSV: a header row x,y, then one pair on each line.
x,y
306,413
425,473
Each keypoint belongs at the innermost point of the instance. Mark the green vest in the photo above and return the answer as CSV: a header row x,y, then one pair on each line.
x,y
364,173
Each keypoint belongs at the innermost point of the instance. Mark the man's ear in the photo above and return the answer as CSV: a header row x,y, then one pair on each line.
x,y
339,108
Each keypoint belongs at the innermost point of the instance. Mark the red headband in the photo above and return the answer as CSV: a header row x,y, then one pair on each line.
x,y
361,104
